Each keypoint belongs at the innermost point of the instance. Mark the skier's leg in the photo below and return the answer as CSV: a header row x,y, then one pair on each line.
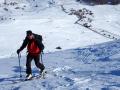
x,y
28,64
38,63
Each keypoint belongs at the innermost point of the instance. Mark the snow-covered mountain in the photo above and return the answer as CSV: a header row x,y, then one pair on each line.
x,y
54,24
89,58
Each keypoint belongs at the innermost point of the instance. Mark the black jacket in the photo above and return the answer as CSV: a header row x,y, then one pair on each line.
x,y
38,39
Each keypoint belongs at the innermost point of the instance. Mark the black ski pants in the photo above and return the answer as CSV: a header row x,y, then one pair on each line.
x,y
36,59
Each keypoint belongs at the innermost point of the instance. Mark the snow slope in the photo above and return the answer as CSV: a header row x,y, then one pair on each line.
x,y
92,68
92,61
56,27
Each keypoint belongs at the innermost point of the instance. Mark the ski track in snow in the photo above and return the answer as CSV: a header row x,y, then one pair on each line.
x,y
90,68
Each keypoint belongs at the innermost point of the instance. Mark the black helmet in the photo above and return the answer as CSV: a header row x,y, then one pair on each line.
x,y
29,32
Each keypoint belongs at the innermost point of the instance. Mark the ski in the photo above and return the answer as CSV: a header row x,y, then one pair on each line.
x,y
35,77
42,76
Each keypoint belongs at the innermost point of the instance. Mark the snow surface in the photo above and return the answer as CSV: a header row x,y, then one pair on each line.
x,y
56,27
92,61
92,68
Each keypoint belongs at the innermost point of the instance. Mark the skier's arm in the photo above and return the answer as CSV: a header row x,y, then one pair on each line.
x,y
24,44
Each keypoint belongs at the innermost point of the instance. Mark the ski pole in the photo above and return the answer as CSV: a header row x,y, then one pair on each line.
x,y
41,58
19,56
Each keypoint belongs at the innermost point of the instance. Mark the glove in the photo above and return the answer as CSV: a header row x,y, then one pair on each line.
x,y
18,51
